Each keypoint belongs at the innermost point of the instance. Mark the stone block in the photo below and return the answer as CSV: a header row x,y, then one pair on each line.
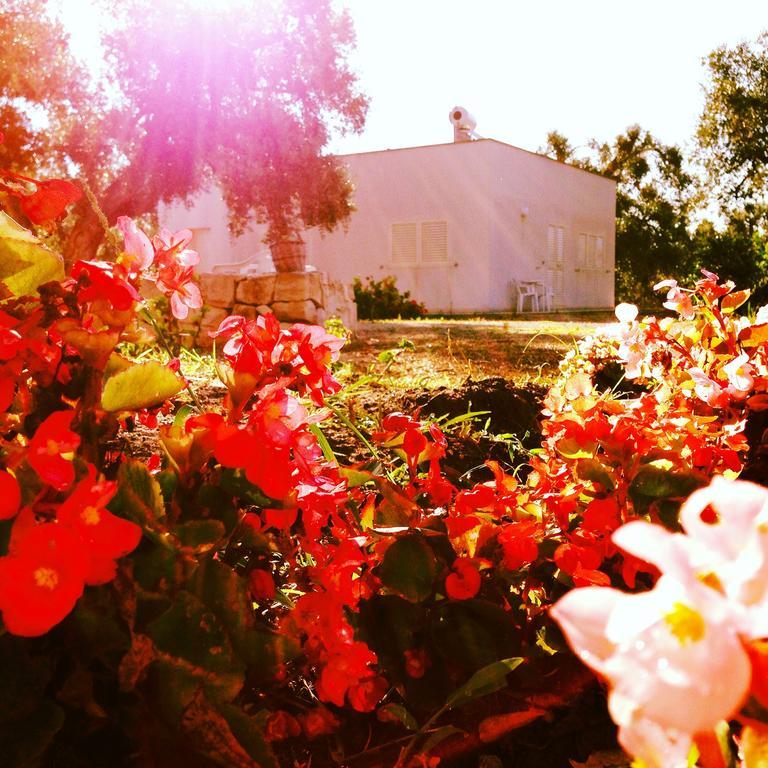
x,y
296,311
255,290
212,318
248,311
298,286
218,290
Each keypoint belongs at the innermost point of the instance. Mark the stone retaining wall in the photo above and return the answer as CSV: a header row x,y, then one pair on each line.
x,y
294,297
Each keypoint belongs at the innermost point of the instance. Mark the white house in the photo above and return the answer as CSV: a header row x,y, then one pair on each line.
x,y
461,225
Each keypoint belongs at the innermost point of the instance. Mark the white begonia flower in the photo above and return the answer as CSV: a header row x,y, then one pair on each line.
x,y
673,659
625,313
674,656
730,519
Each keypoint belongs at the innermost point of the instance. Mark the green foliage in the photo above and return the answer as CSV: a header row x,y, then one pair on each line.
x,y
143,385
25,263
731,129
409,568
381,299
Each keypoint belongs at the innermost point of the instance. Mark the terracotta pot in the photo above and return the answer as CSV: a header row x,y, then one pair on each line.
x,y
290,255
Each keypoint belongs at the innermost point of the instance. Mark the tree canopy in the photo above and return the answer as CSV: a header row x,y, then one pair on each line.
x,y
733,128
243,94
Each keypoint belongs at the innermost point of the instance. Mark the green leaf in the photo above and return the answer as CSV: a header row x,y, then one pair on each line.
x,y
249,734
595,472
438,736
138,497
409,568
141,386
25,263
395,510
190,632
399,713
356,477
224,592
570,448
487,680
322,441
657,482
200,535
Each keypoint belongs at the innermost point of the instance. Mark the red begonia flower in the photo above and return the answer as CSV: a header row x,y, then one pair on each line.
x,y
52,449
518,543
103,281
345,668
464,580
365,695
42,579
106,536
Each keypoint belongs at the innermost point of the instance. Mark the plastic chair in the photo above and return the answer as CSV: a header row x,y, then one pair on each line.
x,y
522,291
545,296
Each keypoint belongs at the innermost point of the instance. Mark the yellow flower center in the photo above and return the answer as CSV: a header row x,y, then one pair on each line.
x,y
51,447
686,624
90,516
46,578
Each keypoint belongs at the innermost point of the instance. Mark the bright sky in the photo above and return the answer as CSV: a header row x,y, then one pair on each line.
x,y
588,68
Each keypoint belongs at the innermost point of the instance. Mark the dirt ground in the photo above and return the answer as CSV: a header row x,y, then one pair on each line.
x,y
448,352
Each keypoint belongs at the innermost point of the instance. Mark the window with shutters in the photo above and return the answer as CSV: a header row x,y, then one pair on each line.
x,y
599,252
581,252
553,268
404,243
420,242
434,241
590,253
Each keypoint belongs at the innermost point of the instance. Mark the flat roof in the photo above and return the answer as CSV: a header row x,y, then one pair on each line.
x,y
478,141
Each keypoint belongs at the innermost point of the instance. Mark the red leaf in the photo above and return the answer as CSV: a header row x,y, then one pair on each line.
x,y
50,200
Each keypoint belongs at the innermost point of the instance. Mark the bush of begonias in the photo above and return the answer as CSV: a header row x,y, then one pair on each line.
x,y
246,599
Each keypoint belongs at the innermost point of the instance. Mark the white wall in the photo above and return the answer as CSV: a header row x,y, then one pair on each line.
x,y
447,182
497,202
531,192
206,216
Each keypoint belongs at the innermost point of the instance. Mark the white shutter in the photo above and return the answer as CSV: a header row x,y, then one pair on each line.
x,y
404,243
599,253
581,252
434,241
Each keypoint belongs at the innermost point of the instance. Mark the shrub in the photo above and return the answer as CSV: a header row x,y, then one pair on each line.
x,y
380,299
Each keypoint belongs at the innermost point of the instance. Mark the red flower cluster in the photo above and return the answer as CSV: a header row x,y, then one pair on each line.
x,y
57,547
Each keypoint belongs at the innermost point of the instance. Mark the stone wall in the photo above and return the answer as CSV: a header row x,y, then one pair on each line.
x,y
294,297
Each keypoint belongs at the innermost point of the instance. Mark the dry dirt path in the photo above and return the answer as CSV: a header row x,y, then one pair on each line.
x,y
448,352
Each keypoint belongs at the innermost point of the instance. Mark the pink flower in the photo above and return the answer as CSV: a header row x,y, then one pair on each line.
x,y
176,283
172,248
137,244
708,390
680,301
740,379
674,656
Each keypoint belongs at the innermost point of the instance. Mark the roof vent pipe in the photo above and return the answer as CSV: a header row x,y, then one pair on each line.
x,y
463,124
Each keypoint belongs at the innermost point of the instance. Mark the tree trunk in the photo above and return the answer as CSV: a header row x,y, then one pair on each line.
x,y
87,233
86,236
